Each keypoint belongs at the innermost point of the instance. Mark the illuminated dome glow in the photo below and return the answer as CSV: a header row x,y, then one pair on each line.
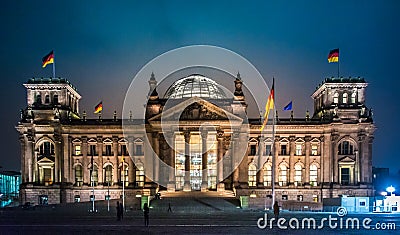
x,y
195,85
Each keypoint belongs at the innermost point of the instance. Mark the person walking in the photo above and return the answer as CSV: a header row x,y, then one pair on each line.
x,y
146,212
118,211
276,210
121,210
169,207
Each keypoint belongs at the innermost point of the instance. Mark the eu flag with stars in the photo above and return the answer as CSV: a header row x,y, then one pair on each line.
x,y
288,107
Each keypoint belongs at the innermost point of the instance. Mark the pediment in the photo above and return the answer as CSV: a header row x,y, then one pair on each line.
x,y
195,108
346,159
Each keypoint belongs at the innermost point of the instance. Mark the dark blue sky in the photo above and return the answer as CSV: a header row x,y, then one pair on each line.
x,y
101,46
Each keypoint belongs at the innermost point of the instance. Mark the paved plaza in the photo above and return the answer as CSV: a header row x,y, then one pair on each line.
x,y
188,216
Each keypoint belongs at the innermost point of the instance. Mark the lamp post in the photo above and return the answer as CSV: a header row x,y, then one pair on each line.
x,y
390,190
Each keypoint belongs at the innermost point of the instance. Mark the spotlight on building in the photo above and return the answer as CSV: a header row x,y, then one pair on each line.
x,y
390,189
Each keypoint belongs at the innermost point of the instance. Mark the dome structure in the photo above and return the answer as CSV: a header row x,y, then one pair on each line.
x,y
195,85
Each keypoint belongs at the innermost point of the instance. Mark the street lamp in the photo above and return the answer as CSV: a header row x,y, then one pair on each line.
x,y
390,189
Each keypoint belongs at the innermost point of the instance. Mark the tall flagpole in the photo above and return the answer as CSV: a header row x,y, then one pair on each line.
x,y
273,154
54,65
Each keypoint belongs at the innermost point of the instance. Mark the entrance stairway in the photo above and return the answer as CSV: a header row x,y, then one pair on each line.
x,y
195,202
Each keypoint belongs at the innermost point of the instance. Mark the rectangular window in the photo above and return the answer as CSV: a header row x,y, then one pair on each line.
x,y
300,198
284,197
345,176
315,198
138,150
124,150
108,150
268,150
314,150
253,150
77,150
283,149
299,151
92,150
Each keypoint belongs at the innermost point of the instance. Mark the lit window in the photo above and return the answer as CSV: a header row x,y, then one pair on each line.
x,y
124,175
252,175
284,197
297,174
267,175
344,98
299,150
282,175
314,149
78,175
95,176
139,175
300,198
313,175
353,97
77,150
108,174
336,98
315,198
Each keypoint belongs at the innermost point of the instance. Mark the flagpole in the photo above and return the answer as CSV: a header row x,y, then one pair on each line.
x,y
338,68
273,156
54,65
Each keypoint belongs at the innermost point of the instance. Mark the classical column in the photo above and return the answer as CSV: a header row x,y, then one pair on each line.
x,y
334,157
187,186
306,180
156,157
115,160
24,175
275,162
292,160
321,170
170,139
220,161
235,163
58,159
66,166
131,171
100,159
30,159
204,183
261,161
85,161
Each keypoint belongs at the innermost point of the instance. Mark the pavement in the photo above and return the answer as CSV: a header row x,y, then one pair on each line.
x,y
190,215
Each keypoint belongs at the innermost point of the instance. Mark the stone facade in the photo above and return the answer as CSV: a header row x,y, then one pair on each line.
x,y
65,155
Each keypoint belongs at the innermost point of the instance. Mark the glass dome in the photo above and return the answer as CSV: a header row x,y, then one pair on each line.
x,y
195,85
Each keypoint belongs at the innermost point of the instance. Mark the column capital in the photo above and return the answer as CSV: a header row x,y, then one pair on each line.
x,y
307,138
204,134
220,134
322,138
187,136
292,138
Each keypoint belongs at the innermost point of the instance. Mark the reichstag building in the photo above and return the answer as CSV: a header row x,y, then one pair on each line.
x,y
324,154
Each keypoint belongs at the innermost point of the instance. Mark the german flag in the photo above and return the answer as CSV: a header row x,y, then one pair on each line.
x,y
269,105
48,59
98,107
333,55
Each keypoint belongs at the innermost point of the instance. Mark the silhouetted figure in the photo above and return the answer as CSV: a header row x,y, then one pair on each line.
x,y
118,211
121,210
169,207
146,211
276,210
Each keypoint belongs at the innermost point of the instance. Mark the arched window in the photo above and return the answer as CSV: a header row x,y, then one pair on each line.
x,y
353,98
108,175
282,175
47,99
252,175
46,149
124,175
297,174
313,175
139,175
95,176
344,98
346,148
55,99
267,175
38,99
78,175
336,98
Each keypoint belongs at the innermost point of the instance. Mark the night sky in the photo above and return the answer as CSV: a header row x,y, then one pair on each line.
x,y
100,47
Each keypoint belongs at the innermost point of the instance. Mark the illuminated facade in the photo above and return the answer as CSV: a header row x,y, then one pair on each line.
x,y
319,156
